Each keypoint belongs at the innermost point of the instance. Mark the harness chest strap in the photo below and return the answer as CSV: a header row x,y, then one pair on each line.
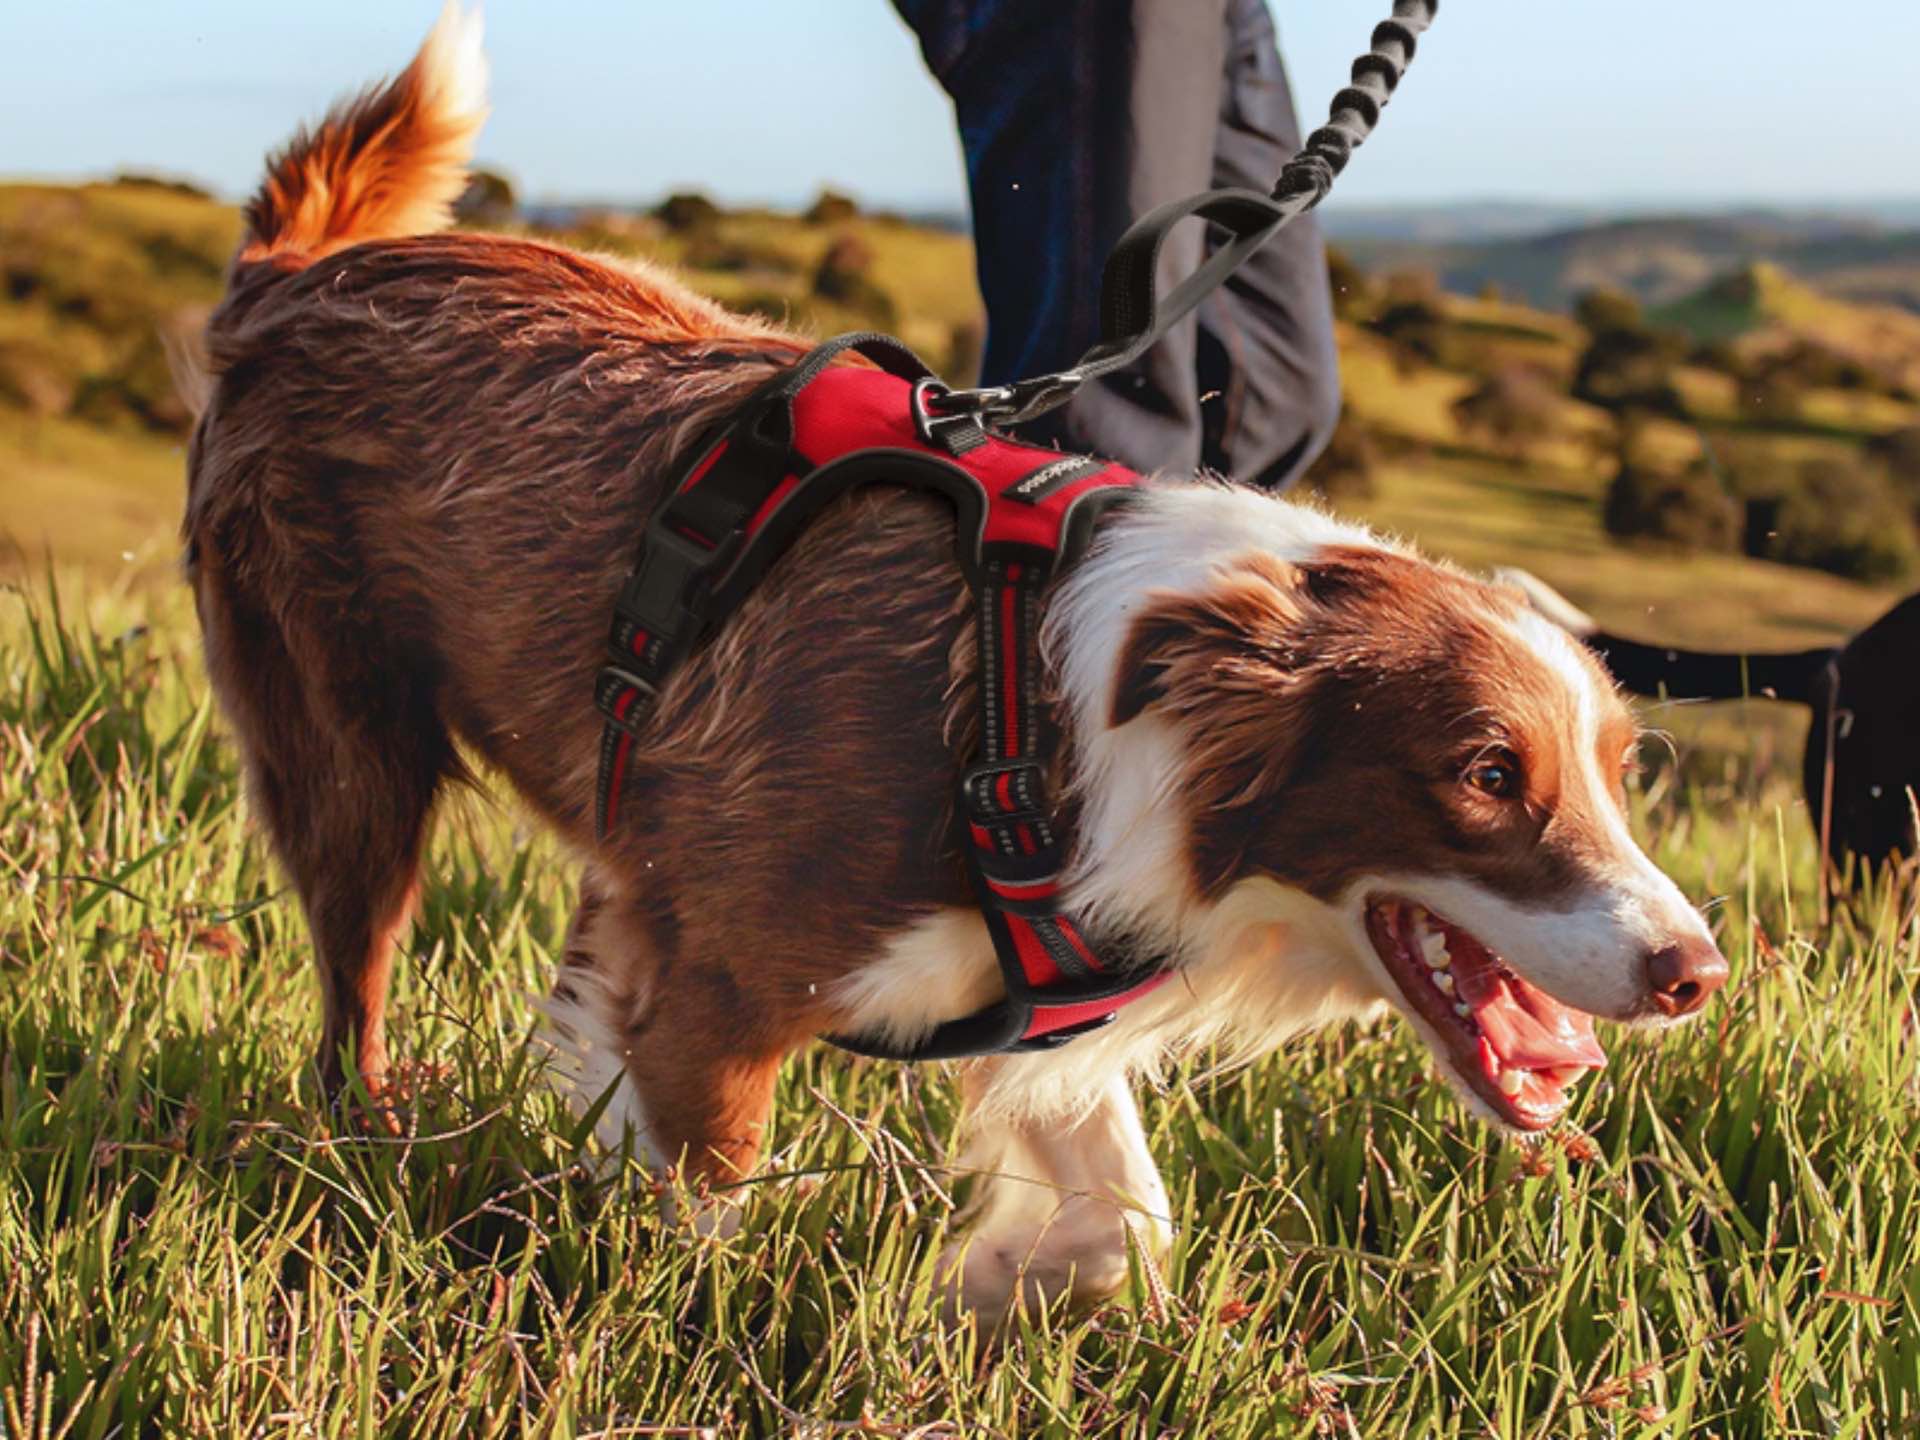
x,y
805,437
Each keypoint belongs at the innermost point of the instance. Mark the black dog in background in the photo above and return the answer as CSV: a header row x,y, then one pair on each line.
x,y
1861,770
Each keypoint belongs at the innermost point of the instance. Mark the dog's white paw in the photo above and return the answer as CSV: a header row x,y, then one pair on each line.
x,y
1082,1252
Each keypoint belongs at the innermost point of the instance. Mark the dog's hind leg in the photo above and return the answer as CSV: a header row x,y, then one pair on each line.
x,y
1058,1204
344,754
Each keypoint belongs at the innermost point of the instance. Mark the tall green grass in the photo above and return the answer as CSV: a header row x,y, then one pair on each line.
x,y
1725,1239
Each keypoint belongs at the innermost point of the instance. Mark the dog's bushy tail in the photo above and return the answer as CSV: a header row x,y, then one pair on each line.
x,y
387,163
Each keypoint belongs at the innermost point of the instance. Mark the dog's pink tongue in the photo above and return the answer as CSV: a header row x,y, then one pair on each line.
x,y
1528,1029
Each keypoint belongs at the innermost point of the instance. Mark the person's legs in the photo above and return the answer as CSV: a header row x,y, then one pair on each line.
x,y
1266,350
1077,116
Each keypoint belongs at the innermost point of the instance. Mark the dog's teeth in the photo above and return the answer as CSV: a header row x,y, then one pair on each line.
x,y
1444,981
1565,1075
1433,949
1463,1010
1511,1081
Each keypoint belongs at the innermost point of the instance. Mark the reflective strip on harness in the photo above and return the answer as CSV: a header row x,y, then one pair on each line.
x,y
1024,514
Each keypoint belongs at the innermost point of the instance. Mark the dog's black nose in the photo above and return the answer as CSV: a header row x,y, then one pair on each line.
x,y
1681,976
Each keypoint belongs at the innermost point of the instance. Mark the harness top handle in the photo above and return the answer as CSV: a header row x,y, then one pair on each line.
x,y
1024,514
1133,314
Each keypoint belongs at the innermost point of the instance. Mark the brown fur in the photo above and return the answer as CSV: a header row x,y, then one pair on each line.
x,y
415,490
387,164
1334,707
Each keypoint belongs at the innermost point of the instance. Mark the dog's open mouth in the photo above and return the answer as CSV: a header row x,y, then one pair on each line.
x,y
1518,1047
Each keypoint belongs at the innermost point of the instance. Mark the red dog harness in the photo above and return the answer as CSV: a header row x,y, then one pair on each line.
x,y
808,435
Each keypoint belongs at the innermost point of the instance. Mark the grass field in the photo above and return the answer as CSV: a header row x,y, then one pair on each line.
x,y
1724,1240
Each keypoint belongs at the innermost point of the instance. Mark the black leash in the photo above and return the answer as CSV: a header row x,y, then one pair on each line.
x,y
1133,315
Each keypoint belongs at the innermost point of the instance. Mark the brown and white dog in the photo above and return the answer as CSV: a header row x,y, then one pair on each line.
x,y
1325,775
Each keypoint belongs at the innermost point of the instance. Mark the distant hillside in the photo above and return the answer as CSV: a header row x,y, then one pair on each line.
x,y
1767,310
1664,259
1494,430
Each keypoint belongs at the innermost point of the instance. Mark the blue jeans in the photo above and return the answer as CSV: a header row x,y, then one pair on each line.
x,y
1078,116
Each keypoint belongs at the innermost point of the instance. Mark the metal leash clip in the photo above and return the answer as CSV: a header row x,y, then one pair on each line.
x,y
1013,404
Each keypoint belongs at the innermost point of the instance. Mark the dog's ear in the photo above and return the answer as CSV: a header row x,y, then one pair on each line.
x,y
1238,637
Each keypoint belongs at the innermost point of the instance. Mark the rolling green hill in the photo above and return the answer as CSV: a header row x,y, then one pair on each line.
x,y
1664,258
91,435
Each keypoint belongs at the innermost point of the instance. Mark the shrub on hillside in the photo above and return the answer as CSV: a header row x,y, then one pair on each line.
x,y
1627,364
686,210
1344,470
1771,395
1629,370
1351,286
171,184
831,207
1691,510
1773,387
1410,319
1719,356
1601,310
1515,407
1846,519
488,200
966,346
35,376
139,388
1897,453
844,277
714,248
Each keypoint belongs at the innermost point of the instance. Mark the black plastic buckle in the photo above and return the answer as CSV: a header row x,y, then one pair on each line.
x,y
610,684
660,594
978,784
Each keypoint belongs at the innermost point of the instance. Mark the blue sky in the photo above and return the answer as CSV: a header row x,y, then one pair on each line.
x,y
1661,100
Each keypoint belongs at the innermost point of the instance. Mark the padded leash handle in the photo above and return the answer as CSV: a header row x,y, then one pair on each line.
x,y
1133,314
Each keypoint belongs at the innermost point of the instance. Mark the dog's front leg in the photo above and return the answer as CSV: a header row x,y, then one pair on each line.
x,y
1058,1203
670,1038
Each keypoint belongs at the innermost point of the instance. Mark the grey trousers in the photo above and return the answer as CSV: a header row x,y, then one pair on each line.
x,y
1077,116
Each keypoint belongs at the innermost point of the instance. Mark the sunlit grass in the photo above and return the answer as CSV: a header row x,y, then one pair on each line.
x,y
1725,1240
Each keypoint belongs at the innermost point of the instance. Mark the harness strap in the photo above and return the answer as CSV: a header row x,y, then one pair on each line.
x,y
801,439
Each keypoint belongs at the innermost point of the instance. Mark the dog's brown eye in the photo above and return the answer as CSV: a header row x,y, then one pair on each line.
x,y
1496,773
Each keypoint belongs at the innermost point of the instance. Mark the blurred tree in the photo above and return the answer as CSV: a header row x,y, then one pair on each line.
x,y
488,201
1515,407
1846,519
143,180
35,376
1351,285
1719,356
1691,510
1897,453
1412,321
831,207
1629,368
1772,394
844,277
1603,309
966,344
1345,469
686,210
